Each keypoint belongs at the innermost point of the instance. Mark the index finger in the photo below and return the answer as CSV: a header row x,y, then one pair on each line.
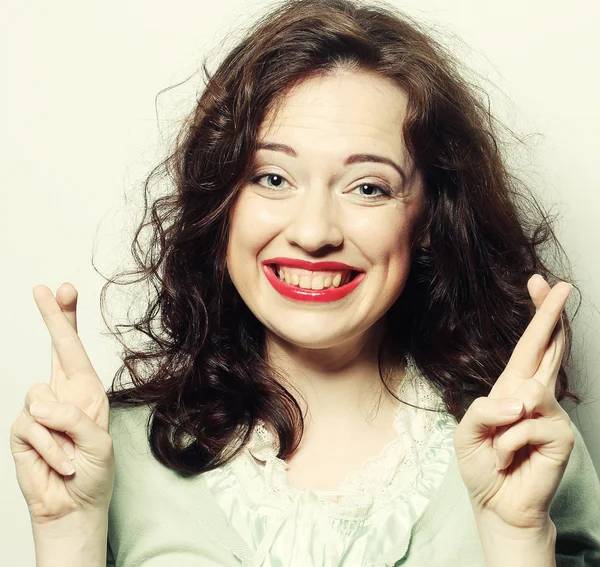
x,y
547,371
532,345
69,348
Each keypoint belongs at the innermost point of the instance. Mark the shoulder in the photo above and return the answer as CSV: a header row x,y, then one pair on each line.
x,y
135,466
128,428
124,418
156,515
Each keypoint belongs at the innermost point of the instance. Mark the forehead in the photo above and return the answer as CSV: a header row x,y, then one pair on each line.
x,y
350,109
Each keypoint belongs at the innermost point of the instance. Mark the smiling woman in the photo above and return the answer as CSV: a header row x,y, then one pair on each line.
x,y
354,354
324,131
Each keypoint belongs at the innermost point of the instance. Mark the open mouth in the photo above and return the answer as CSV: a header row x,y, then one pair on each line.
x,y
313,280
313,286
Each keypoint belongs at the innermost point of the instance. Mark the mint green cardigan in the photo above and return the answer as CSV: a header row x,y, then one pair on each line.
x,y
159,519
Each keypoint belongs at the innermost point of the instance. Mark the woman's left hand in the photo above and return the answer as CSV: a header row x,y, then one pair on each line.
x,y
532,447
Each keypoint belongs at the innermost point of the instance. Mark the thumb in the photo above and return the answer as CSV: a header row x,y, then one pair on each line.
x,y
484,414
42,392
72,420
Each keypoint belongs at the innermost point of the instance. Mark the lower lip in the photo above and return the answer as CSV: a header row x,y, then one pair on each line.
x,y
320,295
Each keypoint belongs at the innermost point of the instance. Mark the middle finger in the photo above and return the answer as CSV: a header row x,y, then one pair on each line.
x,y
71,353
66,297
532,345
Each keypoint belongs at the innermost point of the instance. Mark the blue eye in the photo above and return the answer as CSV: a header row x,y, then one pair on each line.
x,y
275,175
371,188
373,191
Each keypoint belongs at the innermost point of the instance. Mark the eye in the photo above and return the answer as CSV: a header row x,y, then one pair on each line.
x,y
278,179
372,191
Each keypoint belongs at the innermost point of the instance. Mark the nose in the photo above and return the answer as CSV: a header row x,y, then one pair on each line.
x,y
314,222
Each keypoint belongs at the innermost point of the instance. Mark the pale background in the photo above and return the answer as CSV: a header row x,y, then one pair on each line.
x,y
80,130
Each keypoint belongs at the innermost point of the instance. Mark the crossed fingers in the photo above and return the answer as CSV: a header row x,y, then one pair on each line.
x,y
539,350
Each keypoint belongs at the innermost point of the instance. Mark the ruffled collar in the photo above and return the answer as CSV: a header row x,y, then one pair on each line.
x,y
369,486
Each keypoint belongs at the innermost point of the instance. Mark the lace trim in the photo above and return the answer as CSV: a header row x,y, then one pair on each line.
x,y
370,486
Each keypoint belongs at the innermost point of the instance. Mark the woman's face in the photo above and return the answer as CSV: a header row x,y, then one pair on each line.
x,y
316,197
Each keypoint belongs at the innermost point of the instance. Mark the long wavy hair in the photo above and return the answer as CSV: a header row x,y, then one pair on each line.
x,y
202,369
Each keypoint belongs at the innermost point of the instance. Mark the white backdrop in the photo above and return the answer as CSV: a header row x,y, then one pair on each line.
x,y
80,131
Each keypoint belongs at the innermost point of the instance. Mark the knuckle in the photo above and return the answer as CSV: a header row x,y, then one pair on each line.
x,y
502,442
28,428
479,405
537,389
15,428
532,392
52,449
72,414
24,429
507,441
39,391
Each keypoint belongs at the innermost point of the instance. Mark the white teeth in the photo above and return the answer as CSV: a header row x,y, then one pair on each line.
x,y
312,280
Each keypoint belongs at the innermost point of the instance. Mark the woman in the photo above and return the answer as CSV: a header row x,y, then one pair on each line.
x,y
353,325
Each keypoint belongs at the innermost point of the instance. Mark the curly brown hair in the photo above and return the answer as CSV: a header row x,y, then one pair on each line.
x,y
203,370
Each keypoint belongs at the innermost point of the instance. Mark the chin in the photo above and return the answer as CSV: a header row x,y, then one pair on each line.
x,y
314,336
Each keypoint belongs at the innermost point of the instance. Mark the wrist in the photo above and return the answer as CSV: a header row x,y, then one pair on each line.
x,y
74,540
506,545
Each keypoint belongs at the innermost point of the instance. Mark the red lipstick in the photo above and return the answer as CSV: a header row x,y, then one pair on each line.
x,y
315,295
306,265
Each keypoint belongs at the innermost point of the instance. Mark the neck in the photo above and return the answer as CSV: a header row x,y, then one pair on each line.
x,y
338,385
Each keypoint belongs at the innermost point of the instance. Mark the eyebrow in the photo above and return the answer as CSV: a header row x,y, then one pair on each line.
x,y
354,158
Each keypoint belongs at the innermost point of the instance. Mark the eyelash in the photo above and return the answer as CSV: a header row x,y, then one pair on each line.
x,y
384,190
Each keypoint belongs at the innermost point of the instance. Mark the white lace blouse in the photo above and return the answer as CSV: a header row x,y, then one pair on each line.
x,y
288,526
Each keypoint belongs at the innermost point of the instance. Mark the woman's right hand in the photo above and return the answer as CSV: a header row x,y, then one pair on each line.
x,y
79,413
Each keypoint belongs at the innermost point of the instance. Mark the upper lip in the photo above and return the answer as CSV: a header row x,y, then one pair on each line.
x,y
313,266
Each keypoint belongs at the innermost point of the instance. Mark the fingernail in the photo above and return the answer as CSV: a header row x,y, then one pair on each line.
x,y
511,407
39,409
69,449
68,468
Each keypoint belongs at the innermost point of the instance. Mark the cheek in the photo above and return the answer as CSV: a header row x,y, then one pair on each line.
x,y
252,226
386,238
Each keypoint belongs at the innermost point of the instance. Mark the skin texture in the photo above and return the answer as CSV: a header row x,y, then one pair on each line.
x,y
317,211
